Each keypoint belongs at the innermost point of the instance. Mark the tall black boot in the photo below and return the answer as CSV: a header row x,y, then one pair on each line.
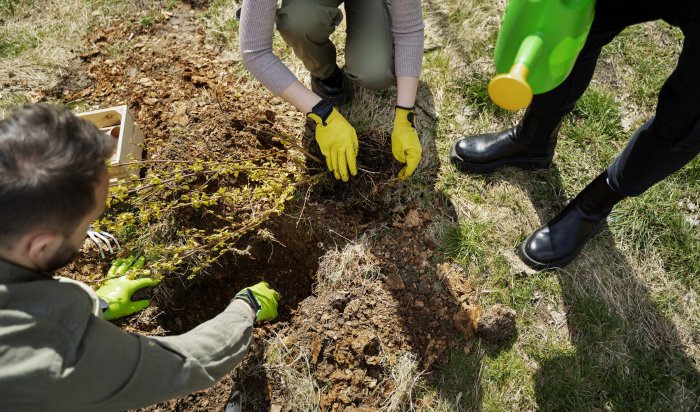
x,y
558,242
528,145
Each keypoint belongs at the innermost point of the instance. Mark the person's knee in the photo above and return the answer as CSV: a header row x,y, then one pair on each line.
x,y
305,20
372,76
290,22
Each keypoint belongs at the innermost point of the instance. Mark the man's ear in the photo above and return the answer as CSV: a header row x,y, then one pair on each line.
x,y
41,246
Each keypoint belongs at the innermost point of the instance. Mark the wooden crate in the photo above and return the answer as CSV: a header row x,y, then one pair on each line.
x,y
119,123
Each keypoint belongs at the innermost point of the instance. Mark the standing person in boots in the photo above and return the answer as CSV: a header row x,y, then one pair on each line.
x,y
661,146
384,47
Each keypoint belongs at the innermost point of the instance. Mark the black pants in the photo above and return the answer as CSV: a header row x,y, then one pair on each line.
x,y
669,140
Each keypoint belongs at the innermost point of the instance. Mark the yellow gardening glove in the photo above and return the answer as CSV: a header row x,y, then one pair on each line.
x,y
404,142
337,140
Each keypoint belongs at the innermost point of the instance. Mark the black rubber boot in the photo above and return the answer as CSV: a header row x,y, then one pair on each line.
x,y
529,145
337,87
558,242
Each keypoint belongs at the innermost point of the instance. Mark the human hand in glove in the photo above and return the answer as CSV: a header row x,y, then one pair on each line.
x,y
118,289
336,138
404,141
262,299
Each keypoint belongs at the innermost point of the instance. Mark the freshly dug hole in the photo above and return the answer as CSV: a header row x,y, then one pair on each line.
x,y
376,181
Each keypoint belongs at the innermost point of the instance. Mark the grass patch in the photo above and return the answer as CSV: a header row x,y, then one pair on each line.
x,y
14,43
614,331
465,244
39,40
7,9
656,221
459,383
222,22
608,370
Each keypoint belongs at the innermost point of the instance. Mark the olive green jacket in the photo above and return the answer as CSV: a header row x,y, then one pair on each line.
x,y
57,355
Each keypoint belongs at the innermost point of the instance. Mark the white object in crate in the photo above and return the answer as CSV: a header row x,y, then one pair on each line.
x,y
119,123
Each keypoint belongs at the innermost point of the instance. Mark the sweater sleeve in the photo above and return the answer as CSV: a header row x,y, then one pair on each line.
x,y
255,35
112,370
407,28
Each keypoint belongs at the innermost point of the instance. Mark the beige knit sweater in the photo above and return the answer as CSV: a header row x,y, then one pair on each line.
x,y
256,31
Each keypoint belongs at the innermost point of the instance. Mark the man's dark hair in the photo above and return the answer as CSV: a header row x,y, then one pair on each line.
x,y
50,163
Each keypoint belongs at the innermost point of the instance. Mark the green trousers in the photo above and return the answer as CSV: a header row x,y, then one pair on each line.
x,y
306,26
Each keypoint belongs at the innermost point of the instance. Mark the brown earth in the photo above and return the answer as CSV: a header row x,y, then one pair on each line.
x,y
353,329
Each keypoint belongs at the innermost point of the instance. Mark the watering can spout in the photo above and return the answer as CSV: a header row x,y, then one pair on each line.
x,y
537,47
511,90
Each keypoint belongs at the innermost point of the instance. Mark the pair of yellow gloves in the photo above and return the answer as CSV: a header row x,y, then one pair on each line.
x,y
338,142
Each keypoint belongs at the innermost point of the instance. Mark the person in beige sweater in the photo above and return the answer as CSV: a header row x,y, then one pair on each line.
x,y
384,46
57,353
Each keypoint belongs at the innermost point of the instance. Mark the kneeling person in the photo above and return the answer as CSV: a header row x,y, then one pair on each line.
x,y
384,46
56,353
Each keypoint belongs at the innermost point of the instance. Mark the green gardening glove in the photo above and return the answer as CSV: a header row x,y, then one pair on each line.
x,y
262,299
118,289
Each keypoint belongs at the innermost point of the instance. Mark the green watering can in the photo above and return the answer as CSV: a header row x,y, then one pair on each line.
x,y
537,47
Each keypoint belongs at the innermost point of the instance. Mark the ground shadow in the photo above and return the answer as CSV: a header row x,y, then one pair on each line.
x,y
626,355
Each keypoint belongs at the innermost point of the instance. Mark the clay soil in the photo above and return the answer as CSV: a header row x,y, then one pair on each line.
x,y
352,333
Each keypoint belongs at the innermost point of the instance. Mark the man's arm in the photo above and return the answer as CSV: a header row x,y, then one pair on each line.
x,y
114,370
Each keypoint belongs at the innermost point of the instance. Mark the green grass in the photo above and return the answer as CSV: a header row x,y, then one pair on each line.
x,y
657,222
466,244
7,9
14,43
223,26
614,330
608,369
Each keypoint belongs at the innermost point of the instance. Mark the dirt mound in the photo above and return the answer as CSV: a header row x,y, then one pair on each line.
x,y
497,324
378,306
184,95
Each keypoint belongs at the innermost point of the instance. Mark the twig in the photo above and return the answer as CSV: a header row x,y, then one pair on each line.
x,y
306,199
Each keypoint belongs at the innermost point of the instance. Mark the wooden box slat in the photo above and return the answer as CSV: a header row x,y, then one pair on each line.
x,y
129,147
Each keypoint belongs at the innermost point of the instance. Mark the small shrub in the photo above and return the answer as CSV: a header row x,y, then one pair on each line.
x,y
184,216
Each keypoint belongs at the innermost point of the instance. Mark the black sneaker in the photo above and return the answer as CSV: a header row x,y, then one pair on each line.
x,y
337,87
